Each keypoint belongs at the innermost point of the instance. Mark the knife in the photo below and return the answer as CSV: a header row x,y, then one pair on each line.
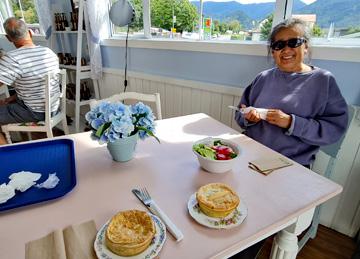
x,y
154,208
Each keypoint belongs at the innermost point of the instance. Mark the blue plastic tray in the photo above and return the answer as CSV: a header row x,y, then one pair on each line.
x,y
45,157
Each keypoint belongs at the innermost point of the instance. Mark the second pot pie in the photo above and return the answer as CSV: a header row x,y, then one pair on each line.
x,y
129,232
217,200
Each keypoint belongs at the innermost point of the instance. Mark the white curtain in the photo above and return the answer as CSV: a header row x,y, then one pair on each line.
x,y
45,16
98,18
5,12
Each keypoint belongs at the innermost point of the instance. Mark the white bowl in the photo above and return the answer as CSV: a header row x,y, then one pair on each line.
x,y
217,166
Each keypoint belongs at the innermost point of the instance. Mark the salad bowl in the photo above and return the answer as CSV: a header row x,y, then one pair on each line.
x,y
216,155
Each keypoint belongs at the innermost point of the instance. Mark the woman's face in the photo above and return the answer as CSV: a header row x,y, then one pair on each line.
x,y
290,59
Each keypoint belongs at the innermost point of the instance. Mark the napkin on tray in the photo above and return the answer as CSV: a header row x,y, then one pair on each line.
x,y
268,165
74,242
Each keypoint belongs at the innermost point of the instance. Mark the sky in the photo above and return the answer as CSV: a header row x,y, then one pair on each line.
x,y
254,1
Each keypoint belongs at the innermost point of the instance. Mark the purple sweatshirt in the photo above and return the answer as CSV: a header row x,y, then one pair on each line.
x,y
314,101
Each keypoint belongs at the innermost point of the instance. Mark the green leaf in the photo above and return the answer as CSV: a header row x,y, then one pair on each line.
x,y
233,155
100,131
217,143
205,151
149,132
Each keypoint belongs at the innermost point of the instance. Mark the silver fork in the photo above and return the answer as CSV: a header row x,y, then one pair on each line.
x,y
145,195
154,208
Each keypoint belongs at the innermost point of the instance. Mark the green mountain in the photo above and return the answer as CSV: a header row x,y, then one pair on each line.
x,y
341,13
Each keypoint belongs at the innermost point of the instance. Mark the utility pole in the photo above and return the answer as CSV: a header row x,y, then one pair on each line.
x,y
173,18
201,21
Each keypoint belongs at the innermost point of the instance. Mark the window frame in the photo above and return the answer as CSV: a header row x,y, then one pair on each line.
x,y
283,10
10,13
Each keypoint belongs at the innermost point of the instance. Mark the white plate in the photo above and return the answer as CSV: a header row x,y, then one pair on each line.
x,y
152,251
234,219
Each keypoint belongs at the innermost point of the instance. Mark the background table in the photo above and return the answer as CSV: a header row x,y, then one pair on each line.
x,y
171,173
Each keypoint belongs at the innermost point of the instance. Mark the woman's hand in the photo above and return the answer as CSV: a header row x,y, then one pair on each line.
x,y
252,116
279,118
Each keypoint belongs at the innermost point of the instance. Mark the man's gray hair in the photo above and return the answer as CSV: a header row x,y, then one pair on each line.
x,y
15,28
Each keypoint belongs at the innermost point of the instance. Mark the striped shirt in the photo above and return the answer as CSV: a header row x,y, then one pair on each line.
x,y
25,69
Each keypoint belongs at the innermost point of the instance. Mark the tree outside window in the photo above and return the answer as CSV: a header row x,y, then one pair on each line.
x,y
25,9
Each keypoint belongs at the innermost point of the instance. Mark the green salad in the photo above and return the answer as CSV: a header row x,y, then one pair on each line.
x,y
216,150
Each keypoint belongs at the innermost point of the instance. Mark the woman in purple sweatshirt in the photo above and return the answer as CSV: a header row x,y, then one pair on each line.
x,y
305,107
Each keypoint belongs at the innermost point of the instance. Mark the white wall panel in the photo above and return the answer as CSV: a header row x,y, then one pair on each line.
x,y
216,106
186,101
195,100
227,115
177,100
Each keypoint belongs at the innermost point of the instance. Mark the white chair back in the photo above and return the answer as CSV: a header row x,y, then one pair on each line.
x,y
332,151
154,98
4,90
50,120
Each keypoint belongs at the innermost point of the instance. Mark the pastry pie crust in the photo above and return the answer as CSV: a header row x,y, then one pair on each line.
x,y
129,232
217,199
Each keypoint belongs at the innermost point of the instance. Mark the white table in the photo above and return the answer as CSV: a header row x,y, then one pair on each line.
x,y
283,200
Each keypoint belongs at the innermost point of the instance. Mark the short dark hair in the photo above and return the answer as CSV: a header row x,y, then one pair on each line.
x,y
15,28
290,23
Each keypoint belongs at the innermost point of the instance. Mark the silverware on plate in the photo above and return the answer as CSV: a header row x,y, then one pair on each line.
x,y
143,195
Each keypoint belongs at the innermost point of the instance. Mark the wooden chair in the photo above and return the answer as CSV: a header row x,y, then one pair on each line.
x,y
332,151
50,120
154,98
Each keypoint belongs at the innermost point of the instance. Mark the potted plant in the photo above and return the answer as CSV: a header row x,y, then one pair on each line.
x,y
120,126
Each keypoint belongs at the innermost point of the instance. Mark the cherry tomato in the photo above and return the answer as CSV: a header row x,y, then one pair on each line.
x,y
221,157
224,150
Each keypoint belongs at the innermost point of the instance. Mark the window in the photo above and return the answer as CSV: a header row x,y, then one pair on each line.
x,y
24,9
236,20
173,18
180,19
136,27
331,22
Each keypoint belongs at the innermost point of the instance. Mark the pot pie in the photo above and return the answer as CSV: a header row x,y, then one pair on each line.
x,y
217,200
129,232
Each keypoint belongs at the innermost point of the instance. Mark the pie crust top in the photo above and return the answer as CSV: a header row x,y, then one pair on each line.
x,y
131,227
218,197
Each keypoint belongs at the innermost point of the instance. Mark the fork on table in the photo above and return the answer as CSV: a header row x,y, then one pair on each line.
x,y
143,195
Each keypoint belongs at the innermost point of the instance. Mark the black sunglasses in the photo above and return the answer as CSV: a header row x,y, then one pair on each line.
x,y
292,43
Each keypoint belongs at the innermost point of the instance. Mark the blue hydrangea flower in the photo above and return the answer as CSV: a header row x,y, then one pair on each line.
x,y
112,121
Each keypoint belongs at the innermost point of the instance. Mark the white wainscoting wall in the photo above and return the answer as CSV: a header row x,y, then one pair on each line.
x,y
182,97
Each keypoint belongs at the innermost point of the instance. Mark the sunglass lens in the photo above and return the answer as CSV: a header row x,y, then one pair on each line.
x,y
278,45
292,43
295,42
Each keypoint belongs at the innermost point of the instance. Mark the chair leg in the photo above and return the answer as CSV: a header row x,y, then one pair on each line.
x,y
7,136
311,232
315,222
49,133
65,126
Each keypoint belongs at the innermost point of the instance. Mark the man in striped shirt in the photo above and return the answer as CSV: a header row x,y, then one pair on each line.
x,y
25,68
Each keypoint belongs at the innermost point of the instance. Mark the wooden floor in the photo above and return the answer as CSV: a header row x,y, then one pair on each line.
x,y
328,244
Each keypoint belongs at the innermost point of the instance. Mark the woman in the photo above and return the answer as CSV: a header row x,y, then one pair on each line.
x,y
305,107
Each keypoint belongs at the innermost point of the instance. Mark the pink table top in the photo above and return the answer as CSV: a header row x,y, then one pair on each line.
x,y
171,173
